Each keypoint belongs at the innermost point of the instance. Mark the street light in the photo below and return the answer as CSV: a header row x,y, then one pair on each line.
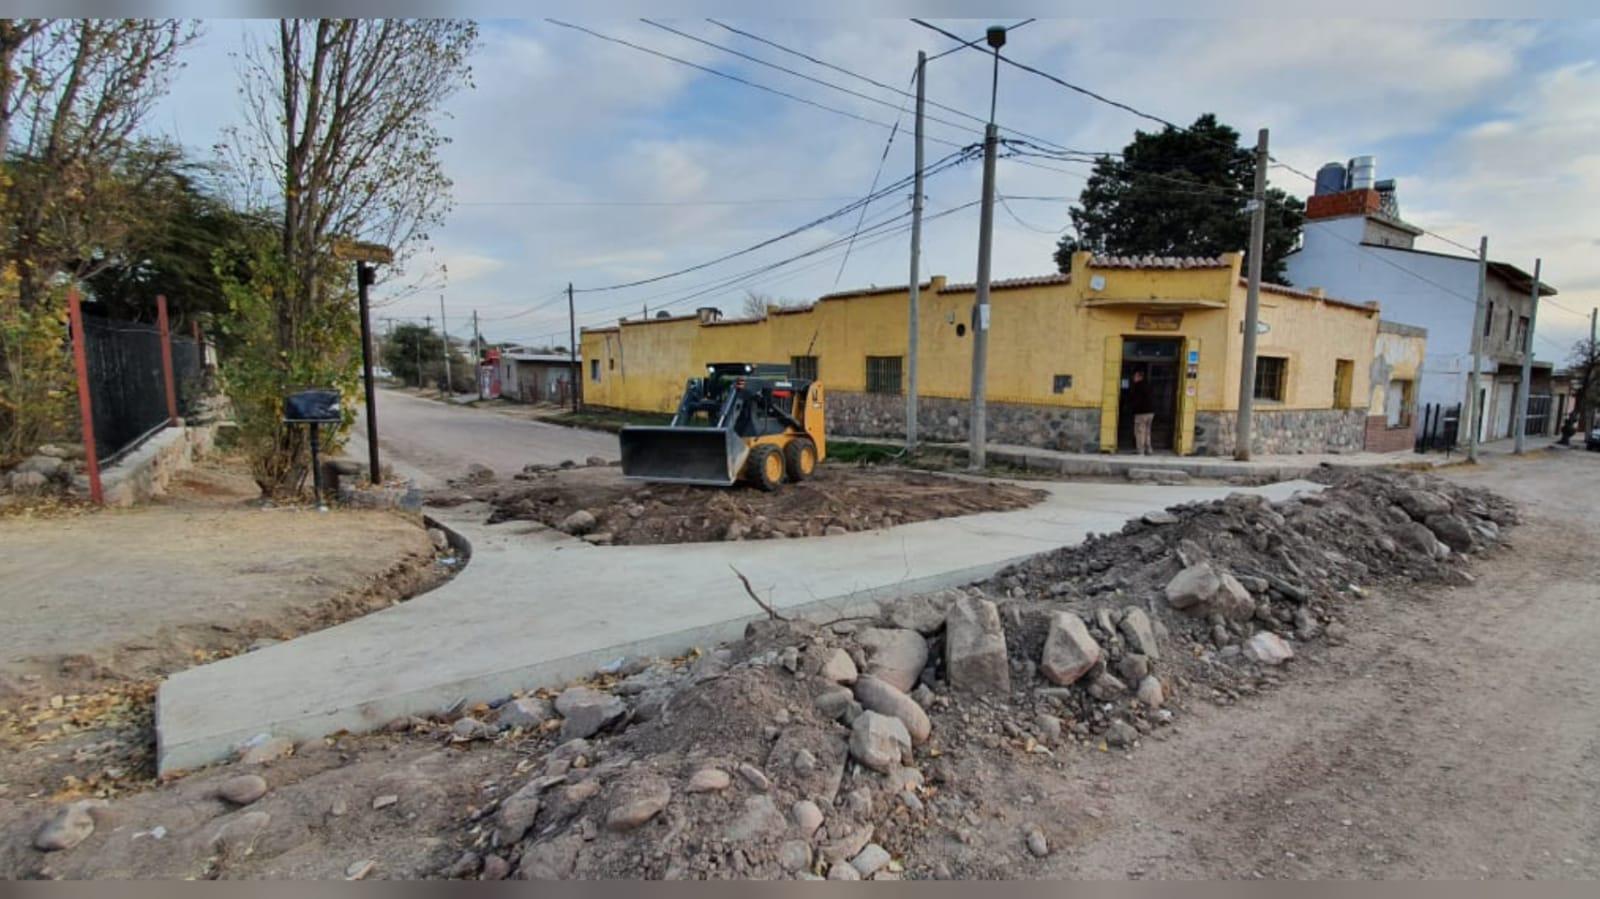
x,y
365,256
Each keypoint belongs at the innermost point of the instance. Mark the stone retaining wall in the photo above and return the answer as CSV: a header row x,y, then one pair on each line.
x,y
1284,432
943,420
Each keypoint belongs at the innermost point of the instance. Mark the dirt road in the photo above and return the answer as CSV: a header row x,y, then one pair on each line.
x,y
432,442
1457,735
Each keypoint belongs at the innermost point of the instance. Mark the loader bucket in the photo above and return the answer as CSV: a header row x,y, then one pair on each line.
x,y
682,455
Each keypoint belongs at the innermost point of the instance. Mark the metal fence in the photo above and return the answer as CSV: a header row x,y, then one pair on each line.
x,y
1441,425
127,385
188,373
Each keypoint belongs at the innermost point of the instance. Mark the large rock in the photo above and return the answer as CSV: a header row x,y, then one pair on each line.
x,y
518,811
638,802
923,614
894,654
1192,589
879,741
1419,504
760,819
586,710
1415,537
709,780
1233,600
579,523
243,789
45,465
1069,651
1268,649
527,712
975,647
1451,531
878,695
1140,633
68,827
839,668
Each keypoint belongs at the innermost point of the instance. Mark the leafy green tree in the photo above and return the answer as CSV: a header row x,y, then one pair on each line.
x,y
410,352
1180,192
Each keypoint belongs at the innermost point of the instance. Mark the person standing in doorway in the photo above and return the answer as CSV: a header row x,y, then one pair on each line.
x,y
1143,410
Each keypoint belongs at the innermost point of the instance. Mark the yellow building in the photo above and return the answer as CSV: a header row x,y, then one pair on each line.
x,y
1061,350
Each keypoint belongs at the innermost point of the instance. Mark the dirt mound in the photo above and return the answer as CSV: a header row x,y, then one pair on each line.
x,y
598,503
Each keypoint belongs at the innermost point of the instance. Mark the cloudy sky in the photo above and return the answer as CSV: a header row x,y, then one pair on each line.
x,y
579,160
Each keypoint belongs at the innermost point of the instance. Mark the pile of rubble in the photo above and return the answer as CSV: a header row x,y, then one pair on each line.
x,y
826,750
49,470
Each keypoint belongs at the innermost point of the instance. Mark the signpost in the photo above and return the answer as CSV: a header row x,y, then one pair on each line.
x,y
365,256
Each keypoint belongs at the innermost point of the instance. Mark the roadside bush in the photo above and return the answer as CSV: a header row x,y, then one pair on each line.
x,y
36,380
280,347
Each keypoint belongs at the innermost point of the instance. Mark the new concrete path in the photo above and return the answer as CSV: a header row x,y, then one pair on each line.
x,y
536,608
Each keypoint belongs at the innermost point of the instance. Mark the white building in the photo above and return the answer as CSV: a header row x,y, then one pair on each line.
x,y
1355,245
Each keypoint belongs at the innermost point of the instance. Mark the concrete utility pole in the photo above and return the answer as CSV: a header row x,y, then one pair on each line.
x,y
1527,365
477,354
572,347
916,260
1252,304
1478,314
996,37
427,321
444,330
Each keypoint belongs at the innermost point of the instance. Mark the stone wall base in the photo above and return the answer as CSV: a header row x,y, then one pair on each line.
x,y
1383,439
146,471
1284,432
942,420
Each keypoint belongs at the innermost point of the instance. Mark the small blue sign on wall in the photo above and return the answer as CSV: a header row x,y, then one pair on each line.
x,y
1194,357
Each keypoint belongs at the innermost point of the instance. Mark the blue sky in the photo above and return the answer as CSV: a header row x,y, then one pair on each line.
x,y
1490,127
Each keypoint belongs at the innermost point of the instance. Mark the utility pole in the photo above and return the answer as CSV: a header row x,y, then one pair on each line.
x,y
1477,351
427,321
444,330
996,37
1252,304
916,260
1588,401
365,275
1521,426
477,354
572,347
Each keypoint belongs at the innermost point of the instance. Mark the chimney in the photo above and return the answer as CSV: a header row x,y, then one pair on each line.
x,y
708,314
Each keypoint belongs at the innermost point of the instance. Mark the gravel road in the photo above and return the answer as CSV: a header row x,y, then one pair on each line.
x,y
433,442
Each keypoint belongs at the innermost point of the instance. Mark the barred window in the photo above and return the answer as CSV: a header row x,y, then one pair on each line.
x,y
1270,376
803,367
883,374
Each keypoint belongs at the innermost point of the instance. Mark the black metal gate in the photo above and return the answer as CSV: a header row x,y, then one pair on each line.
x,y
127,388
1537,424
1441,426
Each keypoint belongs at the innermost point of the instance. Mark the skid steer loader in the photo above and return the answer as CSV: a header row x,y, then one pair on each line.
x,y
741,421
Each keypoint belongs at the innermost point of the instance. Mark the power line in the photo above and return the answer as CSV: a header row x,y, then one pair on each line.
x,y
1018,219
716,72
879,84
874,185
669,203
966,44
949,161
828,84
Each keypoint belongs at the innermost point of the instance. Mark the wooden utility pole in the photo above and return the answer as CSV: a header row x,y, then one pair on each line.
x,y
1252,305
1478,313
980,309
572,347
1521,426
444,331
916,260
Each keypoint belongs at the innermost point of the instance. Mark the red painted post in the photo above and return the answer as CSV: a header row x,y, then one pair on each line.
x,y
80,361
166,358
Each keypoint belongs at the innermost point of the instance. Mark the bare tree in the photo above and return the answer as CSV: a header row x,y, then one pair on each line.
x,y
72,94
1584,364
758,305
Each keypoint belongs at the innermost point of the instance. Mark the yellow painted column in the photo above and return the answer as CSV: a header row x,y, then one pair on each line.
x,y
1188,397
1111,394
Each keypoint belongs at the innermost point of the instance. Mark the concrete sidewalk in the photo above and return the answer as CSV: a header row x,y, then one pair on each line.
x,y
537,608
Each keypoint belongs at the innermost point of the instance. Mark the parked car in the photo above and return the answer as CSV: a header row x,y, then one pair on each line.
x,y
1592,442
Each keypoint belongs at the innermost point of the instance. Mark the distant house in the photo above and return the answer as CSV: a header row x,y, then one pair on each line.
x,y
530,377
1356,245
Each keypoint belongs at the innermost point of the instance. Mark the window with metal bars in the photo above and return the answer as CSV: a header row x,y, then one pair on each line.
x,y
803,367
1271,372
883,374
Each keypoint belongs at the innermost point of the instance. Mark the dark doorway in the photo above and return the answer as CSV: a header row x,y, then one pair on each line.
x,y
1158,360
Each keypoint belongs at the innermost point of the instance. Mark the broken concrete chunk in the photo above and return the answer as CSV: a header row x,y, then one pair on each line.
x,y
637,802
1233,600
1140,632
1151,694
1419,504
586,710
880,696
1069,651
70,825
1451,531
894,654
1193,588
975,647
760,819
527,713
923,614
878,741
517,813
1268,648
838,668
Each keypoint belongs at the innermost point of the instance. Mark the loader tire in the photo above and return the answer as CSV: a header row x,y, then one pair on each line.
x,y
800,459
766,467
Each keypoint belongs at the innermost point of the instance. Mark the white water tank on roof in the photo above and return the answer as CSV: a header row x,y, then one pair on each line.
x,y
1363,172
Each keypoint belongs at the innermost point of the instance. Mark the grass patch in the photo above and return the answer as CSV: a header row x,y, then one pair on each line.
x,y
851,452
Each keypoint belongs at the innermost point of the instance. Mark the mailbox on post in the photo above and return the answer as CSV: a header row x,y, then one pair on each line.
x,y
313,408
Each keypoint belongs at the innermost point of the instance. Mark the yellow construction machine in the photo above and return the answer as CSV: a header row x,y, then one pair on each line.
x,y
742,421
